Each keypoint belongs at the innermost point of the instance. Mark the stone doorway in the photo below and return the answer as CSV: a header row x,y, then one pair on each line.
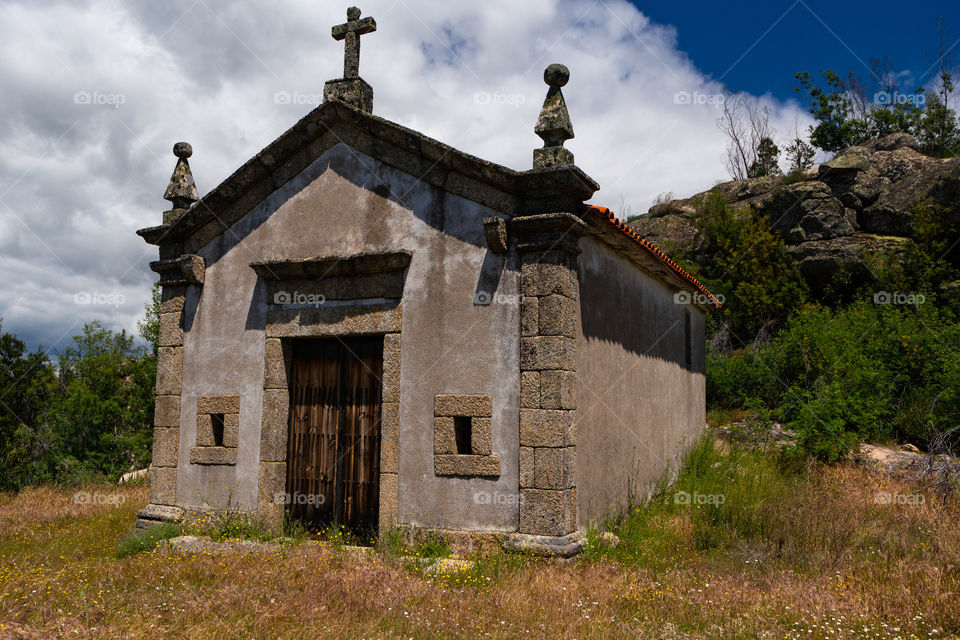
x,y
333,444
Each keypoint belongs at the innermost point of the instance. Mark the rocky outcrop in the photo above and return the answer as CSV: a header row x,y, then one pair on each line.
x,y
835,215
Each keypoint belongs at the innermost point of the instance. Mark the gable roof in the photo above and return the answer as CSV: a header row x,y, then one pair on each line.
x,y
429,160
495,186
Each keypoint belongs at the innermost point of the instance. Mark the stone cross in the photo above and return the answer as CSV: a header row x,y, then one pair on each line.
x,y
351,32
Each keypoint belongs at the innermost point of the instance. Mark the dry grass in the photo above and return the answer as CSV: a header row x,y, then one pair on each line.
x,y
829,563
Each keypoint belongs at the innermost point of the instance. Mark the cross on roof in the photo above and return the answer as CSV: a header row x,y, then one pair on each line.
x,y
351,32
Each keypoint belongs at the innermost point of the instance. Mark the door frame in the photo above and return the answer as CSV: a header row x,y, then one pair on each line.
x,y
354,321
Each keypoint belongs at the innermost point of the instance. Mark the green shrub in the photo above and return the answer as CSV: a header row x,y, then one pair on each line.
x,y
836,377
146,539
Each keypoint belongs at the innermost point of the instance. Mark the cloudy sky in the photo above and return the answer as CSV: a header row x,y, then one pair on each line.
x,y
95,93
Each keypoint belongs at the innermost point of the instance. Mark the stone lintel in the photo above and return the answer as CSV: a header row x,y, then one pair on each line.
x,y
463,404
332,321
330,266
226,403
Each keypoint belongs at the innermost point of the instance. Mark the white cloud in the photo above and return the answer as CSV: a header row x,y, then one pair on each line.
x,y
77,180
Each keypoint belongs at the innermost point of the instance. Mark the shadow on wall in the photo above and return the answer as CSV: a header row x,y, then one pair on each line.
x,y
641,322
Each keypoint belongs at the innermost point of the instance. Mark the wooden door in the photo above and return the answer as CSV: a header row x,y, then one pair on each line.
x,y
333,449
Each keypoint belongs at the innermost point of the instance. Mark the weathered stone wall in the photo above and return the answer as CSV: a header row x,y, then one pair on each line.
x,y
639,402
345,203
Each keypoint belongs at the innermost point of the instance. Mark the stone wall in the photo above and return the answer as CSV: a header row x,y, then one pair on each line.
x,y
640,400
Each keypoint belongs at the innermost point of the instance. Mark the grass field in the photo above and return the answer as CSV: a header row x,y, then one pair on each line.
x,y
809,553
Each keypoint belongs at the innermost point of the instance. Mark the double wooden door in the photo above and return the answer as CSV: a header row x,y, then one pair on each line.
x,y
333,450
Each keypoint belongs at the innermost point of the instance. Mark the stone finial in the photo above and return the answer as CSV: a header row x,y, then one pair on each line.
x,y
182,191
351,88
554,125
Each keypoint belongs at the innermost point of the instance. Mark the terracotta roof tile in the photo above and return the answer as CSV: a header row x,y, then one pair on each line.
x,y
655,252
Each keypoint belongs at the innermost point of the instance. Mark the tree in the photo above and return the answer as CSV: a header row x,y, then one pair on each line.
x,y
104,413
846,115
149,327
767,163
799,154
26,382
746,123
939,132
831,107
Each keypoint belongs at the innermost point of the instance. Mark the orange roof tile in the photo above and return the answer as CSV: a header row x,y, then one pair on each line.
x,y
655,252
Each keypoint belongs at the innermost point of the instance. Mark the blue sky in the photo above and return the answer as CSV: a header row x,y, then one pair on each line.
x,y
794,35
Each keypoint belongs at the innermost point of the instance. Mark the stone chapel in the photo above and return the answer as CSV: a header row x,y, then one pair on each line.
x,y
363,326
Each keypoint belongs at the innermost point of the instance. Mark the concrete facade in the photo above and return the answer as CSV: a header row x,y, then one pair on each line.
x,y
502,301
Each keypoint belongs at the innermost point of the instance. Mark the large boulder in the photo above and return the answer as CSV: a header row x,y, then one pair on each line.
x,y
860,202
821,260
807,211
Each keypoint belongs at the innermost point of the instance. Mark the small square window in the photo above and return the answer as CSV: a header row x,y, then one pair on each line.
x,y
216,423
463,431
